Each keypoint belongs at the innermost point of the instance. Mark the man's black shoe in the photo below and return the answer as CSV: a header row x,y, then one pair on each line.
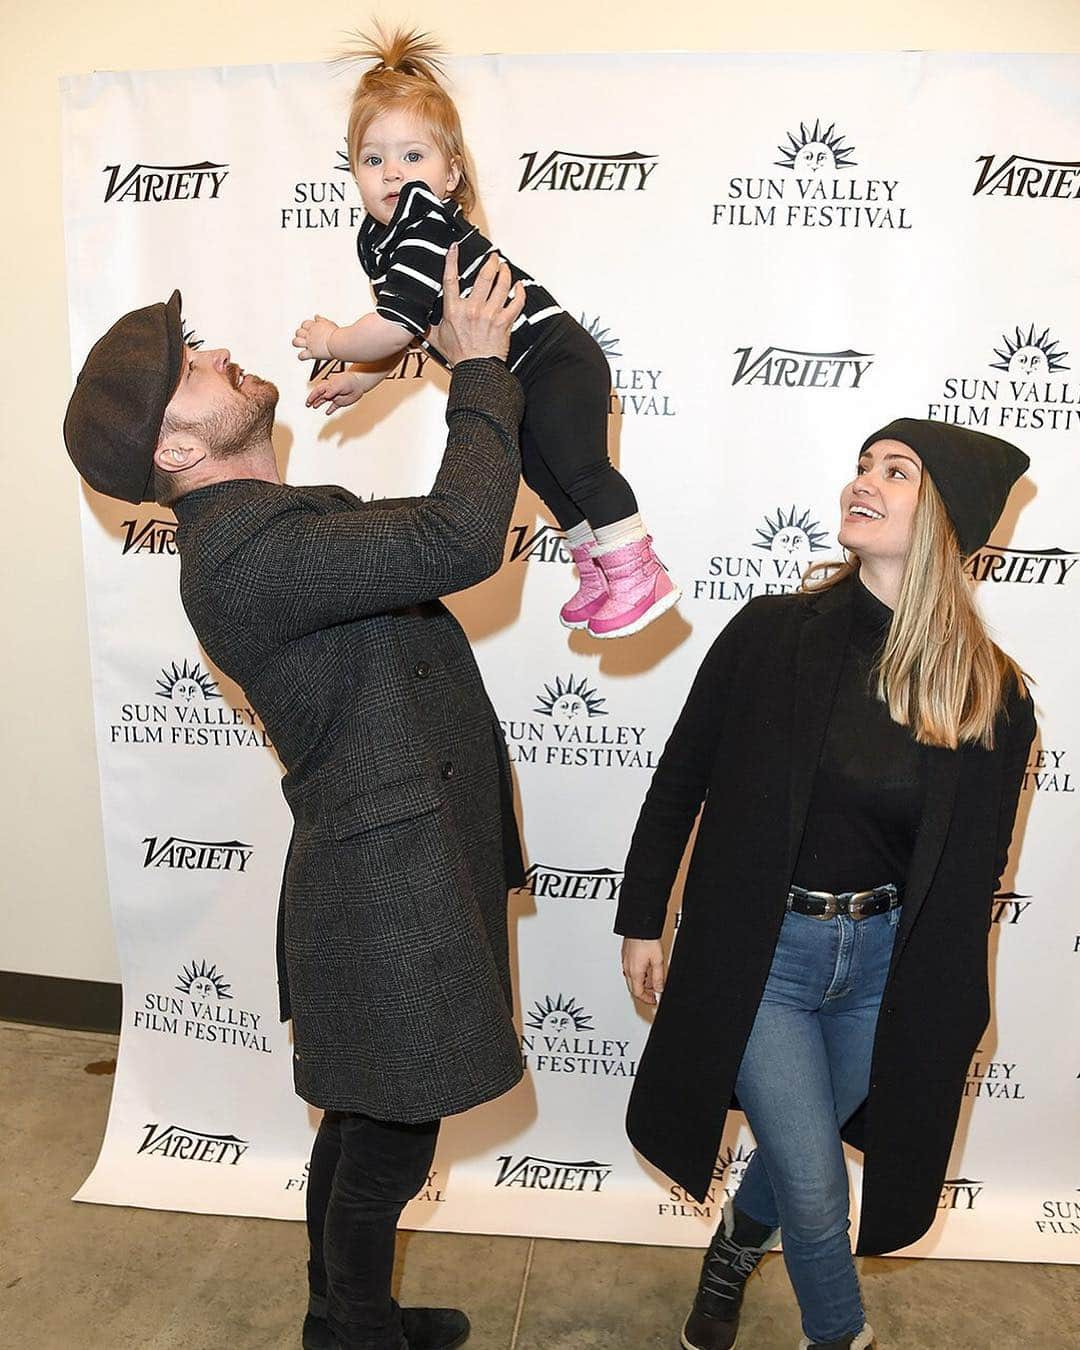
x,y
425,1329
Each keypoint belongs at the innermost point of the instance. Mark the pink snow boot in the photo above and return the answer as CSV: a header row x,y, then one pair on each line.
x,y
639,590
591,593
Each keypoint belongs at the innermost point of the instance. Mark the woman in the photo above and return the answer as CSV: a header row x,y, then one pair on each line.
x,y
859,748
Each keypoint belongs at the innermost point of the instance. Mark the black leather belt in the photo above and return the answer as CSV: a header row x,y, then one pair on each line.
x,y
855,904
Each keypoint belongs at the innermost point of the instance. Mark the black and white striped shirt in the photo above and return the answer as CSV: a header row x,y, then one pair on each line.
x,y
405,260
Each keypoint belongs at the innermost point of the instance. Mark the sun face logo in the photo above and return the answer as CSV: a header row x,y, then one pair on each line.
x,y
189,337
343,159
184,684
816,150
1027,355
557,1016
203,981
570,701
791,534
608,345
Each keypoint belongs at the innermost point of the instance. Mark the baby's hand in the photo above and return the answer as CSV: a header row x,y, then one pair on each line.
x,y
312,337
337,391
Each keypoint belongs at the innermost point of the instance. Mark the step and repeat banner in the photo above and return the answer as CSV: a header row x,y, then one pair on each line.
x,y
778,254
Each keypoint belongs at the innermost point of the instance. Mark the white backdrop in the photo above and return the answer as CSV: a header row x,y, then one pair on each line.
x,y
779,253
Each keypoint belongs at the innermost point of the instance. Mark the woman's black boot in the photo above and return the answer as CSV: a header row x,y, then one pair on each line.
x,y
737,1246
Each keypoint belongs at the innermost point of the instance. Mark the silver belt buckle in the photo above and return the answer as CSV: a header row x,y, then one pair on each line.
x,y
830,905
857,901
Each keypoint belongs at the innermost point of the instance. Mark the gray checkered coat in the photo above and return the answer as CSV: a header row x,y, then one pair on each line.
x,y
392,942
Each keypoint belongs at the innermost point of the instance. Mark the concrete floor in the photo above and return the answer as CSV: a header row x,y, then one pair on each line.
x,y
79,1277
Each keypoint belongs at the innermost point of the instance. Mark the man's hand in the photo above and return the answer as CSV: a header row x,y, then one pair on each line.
x,y
643,968
313,337
480,324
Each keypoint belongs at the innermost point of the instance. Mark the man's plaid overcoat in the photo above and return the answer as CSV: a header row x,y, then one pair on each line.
x,y
392,941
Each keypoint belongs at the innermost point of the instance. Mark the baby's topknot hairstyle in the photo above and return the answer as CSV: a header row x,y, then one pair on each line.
x,y
405,75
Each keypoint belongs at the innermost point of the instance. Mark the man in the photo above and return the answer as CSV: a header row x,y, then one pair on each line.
x,y
392,934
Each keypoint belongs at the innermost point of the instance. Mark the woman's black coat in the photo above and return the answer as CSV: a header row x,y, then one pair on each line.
x,y
748,743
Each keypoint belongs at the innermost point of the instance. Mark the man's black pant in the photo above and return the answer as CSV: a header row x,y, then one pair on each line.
x,y
363,1172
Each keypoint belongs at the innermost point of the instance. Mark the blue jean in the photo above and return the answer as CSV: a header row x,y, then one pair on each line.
x,y
805,1071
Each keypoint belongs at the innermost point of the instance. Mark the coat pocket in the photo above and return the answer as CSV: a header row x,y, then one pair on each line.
x,y
371,810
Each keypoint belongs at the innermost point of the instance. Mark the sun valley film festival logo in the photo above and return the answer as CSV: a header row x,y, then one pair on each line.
x,y
323,203
1046,772
791,368
822,188
1025,176
636,391
572,883
993,1079
727,1178
550,1174
569,727
177,1141
165,182
786,543
196,855
200,1007
1032,393
1060,1218
576,171
559,1037
188,711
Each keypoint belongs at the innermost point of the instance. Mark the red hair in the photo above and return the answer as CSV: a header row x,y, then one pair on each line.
x,y
406,77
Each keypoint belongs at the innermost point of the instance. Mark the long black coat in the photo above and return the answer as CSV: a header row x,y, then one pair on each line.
x,y
392,931
748,743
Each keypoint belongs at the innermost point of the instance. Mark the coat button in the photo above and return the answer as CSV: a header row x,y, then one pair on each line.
x,y
421,670
447,771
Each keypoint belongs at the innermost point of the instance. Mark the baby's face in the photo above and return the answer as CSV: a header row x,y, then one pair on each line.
x,y
398,149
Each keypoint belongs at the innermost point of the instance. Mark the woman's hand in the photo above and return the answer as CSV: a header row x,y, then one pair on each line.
x,y
643,968
313,338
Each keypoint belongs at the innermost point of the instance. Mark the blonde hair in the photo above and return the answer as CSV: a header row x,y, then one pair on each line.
x,y
406,76
940,672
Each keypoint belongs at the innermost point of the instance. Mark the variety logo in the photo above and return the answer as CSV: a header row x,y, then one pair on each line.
x,y
789,368
558,1038
1059,1217
176,1141
323,204
1046,772
993,1078
1023,176
570,171
1008,907
960,1194
570,729
789,540
165,182
540,543
156,535
570,883
189,712
636,391
197,855
204,1012
1022,566
1025,397
820,193
549,1174
727,1177
410,367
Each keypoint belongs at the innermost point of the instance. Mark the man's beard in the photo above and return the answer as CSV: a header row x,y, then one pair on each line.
x,y
238,427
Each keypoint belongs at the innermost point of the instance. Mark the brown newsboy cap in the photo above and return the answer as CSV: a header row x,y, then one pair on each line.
x,y
972,471
113,417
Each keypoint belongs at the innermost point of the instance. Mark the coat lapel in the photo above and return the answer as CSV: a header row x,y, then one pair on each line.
x,y
817,674
942,773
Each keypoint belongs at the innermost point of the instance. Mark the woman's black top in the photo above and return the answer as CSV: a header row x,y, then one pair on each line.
x,y
868,791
